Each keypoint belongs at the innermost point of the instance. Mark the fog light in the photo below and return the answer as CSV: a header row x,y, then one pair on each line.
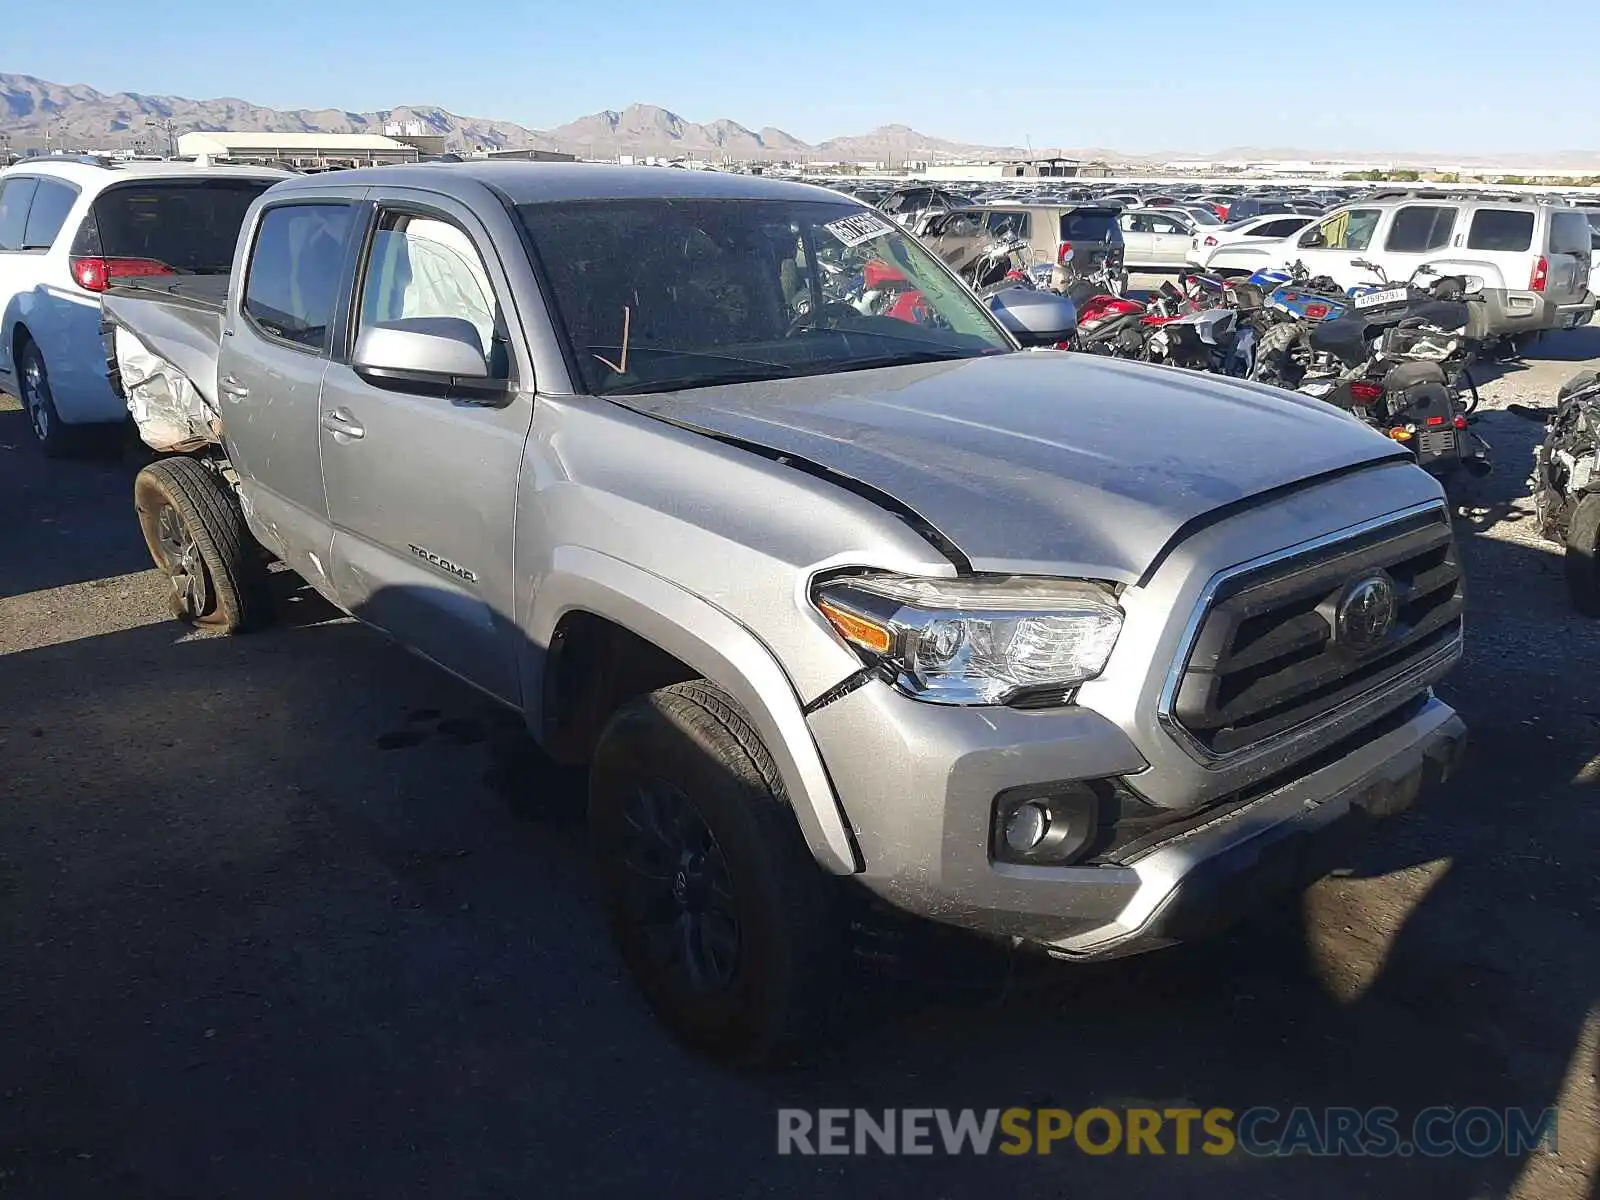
x,y
1045,824
1026,827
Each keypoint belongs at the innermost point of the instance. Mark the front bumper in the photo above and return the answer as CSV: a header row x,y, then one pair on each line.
x,y
935,772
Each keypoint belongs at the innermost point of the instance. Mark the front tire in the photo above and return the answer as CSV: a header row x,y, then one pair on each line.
x,y
197,537
1582,561
56,438
1272,363
718,909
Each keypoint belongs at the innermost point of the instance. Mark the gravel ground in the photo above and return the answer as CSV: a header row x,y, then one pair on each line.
x,y
293,915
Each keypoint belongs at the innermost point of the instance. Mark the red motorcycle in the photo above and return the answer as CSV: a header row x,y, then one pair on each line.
x,y
1121,327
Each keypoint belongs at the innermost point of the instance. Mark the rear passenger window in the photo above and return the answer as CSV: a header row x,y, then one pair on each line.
x,y
295,268
15,196
51,204
1014,224
1500,229
1421,227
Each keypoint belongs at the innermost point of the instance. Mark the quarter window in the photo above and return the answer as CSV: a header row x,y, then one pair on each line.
x,y
1500,229
51,204
295,269
1421,227
1569,232
15,196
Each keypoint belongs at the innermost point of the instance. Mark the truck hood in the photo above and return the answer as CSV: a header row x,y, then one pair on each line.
x,y
1040,463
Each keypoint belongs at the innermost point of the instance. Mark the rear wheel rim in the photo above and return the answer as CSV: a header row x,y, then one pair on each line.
x,y
180,559
33,386
677,889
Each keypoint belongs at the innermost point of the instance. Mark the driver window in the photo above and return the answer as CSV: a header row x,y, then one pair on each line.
x,y
1349,230
421,266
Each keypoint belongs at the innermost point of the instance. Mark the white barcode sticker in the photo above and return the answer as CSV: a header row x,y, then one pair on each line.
x,y
862,227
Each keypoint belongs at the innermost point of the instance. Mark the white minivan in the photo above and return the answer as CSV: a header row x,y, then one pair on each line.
x,y
1532,255
67,226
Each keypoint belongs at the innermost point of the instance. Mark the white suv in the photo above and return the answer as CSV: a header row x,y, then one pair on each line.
x,y
1533,256
67,227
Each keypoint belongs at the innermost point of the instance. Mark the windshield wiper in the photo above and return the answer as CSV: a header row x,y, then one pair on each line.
x,y
906,358
755,371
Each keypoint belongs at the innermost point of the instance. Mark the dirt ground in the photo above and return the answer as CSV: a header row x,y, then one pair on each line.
x,y
294,915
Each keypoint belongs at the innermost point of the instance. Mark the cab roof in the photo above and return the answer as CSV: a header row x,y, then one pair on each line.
x,y
535,182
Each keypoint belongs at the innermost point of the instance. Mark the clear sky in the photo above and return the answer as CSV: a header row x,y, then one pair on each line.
x,y
1460,76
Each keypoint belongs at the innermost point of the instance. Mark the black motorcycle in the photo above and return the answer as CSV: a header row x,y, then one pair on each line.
x,y
1398,360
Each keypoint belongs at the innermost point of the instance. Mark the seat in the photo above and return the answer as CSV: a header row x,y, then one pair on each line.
x,y
1409,375
1442,314
1343,337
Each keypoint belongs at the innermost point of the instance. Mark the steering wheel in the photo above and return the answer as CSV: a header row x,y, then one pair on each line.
x,y
810,320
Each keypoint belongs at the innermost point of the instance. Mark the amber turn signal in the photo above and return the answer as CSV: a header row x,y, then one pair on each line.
x,y
857,630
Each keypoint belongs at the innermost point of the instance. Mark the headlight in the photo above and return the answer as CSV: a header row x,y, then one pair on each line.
x,y
975,641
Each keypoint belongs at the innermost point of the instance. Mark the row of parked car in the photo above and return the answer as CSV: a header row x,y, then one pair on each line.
x,y
1535,258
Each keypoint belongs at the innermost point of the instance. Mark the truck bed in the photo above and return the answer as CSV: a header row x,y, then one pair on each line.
x,y
163,333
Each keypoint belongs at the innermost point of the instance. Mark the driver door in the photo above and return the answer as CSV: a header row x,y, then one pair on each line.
x,y
422,488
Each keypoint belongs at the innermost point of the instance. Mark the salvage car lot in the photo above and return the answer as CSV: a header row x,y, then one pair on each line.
x,y
292,914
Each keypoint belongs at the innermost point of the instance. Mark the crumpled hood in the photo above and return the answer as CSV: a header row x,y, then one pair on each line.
x,y
1041,463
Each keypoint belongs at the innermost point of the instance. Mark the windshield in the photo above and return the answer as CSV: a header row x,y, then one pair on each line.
x,y
665,294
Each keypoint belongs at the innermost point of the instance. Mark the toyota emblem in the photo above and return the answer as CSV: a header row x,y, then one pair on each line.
x,y
1365,614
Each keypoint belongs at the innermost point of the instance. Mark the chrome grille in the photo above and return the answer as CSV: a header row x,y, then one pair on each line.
x,y
1263,658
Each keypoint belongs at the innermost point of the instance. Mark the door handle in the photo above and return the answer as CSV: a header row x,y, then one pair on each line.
x,y
340,422
231,387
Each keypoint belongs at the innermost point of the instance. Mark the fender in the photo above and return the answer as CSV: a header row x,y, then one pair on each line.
x,y
715,645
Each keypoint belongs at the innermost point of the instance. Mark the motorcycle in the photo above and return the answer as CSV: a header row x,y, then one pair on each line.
x,y
1566,486
1121,327
1396,361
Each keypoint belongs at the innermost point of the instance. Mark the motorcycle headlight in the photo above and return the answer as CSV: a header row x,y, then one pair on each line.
x,y
992,640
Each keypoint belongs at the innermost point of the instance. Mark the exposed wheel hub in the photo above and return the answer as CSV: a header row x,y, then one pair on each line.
x,y
681,891
33,398
191,591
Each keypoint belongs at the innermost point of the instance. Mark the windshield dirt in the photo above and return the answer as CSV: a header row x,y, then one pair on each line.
x,y
661,295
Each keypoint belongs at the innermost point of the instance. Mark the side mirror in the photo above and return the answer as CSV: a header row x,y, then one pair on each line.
x,y
430,355
1312,238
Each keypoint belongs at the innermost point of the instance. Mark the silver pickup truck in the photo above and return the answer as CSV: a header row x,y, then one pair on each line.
x,y
739,496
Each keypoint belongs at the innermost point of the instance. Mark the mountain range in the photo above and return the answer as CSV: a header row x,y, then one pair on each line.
x,y
78,117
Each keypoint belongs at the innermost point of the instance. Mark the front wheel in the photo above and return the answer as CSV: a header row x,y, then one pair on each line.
x,y
1272,361
718,909
56,438
196,535
1583,556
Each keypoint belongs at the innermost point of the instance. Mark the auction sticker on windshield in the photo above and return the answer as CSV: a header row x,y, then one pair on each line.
x,y
862,227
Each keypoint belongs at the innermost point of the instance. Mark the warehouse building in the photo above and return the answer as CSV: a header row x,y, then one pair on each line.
x,y
311,151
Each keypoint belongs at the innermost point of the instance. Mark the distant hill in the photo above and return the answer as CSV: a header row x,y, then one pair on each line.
x,y
79,117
